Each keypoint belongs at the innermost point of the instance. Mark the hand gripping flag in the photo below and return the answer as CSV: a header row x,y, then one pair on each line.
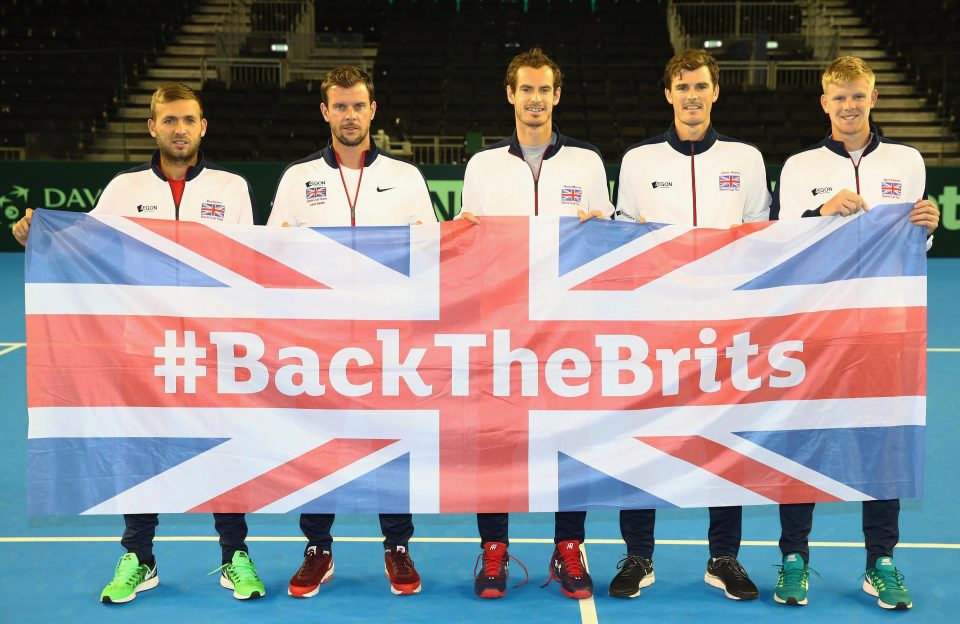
x,y
523,364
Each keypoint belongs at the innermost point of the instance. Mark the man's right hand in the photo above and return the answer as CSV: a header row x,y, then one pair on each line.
x,y
21,229
844,204
469,216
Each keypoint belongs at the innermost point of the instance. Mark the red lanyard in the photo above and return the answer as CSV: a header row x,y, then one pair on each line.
x,y
356,196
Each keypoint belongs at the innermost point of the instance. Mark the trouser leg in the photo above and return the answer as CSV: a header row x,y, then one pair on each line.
x,y
569,525
139,531
881,528
796,521
726,524
397,529
493,527
316,527
636,527
232,529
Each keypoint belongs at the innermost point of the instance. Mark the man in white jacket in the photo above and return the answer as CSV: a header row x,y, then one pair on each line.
x,y
690,175
536,171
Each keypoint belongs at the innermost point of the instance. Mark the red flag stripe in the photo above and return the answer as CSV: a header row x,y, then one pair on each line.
x,y
738,468
242,260
668,257
292,476
110,361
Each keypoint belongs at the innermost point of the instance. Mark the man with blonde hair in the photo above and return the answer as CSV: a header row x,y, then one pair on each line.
x,y
691,175
856,168
536,171
351,183
178,184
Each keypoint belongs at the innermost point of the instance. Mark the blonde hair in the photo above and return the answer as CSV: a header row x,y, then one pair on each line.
x,y
845,70
171,92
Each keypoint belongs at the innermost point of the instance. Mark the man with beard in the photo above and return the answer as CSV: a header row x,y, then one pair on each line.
x,y
690,175
537,171
178,183
351,183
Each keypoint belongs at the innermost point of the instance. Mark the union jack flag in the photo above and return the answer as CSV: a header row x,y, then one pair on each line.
x,y
891,188
212,210
571,195
241,368
730,182
316,192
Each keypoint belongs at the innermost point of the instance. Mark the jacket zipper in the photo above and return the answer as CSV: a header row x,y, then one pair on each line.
x,y
536,182
856,165
693,181
536,185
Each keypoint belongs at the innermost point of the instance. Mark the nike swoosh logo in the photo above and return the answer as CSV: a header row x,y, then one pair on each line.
x,y
380,190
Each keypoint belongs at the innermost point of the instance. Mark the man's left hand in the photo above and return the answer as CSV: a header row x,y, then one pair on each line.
x,y
925,213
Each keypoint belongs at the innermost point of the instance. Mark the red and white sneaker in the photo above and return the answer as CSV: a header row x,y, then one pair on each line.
x,y
316,570
491,581
566,566
401,572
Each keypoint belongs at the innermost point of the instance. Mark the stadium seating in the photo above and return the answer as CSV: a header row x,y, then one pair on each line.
x,y
924,35
64,65
439,67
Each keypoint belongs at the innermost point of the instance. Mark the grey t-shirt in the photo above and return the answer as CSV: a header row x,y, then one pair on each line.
x,y
533,155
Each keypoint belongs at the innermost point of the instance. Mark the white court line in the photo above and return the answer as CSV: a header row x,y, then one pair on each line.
x,y
7,347
943,350
588,608
460,540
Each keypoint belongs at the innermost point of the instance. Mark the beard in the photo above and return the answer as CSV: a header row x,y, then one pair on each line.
x,y
174,156
533,122
350,142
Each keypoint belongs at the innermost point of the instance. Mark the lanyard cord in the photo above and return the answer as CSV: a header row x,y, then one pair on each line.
x,y
356,196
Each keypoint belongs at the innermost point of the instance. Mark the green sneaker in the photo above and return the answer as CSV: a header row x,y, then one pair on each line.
x,y
129,578
793,582
885,582
241,576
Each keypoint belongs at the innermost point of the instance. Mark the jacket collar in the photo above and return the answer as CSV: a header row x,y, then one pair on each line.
x,y
330,157
552,149
688,147
192,172
838,148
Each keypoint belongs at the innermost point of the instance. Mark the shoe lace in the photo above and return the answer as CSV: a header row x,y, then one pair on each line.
x,y
239,572
726,561
491,565
492,559
310,560
127,572
628,563
794,576
571,561
881,579
401,562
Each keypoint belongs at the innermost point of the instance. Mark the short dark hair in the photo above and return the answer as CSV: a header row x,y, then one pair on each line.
x,y
690,60
536,59
345,76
